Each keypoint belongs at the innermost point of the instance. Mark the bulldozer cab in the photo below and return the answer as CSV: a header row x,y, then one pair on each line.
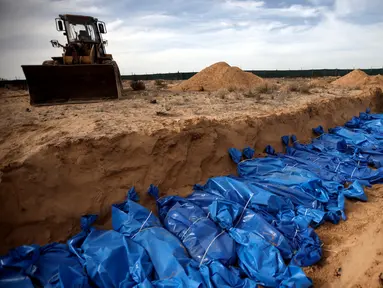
x,y
84,39
84,72
81,28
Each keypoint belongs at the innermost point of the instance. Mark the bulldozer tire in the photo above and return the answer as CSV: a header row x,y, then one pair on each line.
x,y
48,63
118,75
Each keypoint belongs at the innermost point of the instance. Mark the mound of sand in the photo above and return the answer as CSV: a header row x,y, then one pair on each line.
x,y
375,81
219,75
352,79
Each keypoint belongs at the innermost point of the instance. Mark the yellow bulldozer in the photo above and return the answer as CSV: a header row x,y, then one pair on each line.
x,y
84,72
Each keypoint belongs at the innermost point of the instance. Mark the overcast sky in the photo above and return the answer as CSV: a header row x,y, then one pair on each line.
x,y
148,36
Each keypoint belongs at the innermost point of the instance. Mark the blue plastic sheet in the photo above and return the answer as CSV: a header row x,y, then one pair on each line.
x,y
337,143
262,224
229,214
171,262
111,259
169,257
132,195
238,190
203,239
235,155
262,199
215,274
260,247
248,153
319,171
358,138
47,266
296,183
347,168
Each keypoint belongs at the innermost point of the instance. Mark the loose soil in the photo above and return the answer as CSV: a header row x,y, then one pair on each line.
x,y
218,76
352,79
359,79
353,250
61,162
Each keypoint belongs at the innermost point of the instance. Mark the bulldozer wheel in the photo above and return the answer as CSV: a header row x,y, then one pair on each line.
x,y
49,63
117,73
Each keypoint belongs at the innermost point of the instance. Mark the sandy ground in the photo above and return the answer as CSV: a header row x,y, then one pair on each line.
x,y
59,162
24,128
353,250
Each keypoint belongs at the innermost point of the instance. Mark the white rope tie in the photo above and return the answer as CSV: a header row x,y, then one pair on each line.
x,y
187,230
223,231
243,211
337,167
208,247
142,226
352,174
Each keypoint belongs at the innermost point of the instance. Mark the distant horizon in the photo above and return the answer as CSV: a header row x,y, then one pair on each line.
x,y
247,70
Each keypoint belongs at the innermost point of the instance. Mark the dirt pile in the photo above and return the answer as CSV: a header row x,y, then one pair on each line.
x,y
219,75
352,79
375,81
359,79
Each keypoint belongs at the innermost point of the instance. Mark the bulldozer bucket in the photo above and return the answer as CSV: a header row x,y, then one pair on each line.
x,y
49,85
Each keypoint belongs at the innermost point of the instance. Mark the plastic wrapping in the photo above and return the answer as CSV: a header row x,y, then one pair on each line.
x,y
46,266
111,259
169,257
301,186
203,239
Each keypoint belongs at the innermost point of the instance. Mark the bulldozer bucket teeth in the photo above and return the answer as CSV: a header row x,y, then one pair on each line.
x,y
49,85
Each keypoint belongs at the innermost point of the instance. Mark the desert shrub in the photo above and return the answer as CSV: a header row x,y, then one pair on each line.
x,y
299,87
317,83
253,93
265,88
160,83
222,93
355,87
232,89
293,87
304,88
376,92
137,85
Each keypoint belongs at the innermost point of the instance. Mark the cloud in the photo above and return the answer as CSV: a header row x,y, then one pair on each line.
x,y
257,9
178,35
346,7
244,4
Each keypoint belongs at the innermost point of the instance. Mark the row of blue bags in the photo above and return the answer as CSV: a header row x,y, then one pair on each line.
x,y
140,252
256,228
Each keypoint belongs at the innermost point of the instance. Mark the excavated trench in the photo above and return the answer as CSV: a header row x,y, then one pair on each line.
x,y
43,198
